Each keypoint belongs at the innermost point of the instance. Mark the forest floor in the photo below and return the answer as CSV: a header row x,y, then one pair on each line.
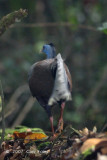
x,y
24,143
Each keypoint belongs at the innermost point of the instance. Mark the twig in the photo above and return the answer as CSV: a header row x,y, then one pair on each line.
x,y
104,127
2,112
56,140
54,24
11,18
13,100
76,131
24,111
96,89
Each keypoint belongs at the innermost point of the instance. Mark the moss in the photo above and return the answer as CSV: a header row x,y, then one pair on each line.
x,y
11,18
43,145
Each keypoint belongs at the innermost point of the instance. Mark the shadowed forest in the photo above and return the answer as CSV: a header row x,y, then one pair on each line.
x,y
78,30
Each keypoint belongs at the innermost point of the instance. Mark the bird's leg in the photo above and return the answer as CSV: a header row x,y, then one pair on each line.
x,y
60,123
48,110
51,121
54,134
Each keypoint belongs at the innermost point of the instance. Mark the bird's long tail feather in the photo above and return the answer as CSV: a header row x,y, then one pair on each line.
x,y
61,90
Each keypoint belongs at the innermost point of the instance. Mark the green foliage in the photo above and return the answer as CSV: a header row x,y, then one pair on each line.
x,y
7,132
20,129
24,129
73,116
87,153
78,100
73,16
43,145
103,28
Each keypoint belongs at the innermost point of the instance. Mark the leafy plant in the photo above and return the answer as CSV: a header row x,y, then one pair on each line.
x,y
103,28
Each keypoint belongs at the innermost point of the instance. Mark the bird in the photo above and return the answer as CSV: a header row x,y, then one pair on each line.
x,y
50,83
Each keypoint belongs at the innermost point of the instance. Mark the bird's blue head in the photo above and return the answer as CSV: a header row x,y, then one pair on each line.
x,y
49,50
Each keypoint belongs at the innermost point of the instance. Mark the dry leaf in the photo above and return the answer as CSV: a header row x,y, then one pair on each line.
x,y
101,157
93,142
103,146
104,150
34,136
9,135
22,135
4,146
84,132
33,152
2,155
94,129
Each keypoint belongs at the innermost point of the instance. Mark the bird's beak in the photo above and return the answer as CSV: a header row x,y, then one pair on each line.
x,y
41,51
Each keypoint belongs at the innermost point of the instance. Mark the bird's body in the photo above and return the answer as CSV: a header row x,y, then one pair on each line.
x,y
47,79
41,81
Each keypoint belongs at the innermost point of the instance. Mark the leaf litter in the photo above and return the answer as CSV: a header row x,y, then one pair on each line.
x,y
24,143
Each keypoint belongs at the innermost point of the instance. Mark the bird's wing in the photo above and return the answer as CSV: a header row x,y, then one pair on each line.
x,y
61,90
69,77
41,81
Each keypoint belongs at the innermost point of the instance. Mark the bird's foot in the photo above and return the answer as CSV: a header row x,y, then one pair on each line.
x,y
55,135
60,126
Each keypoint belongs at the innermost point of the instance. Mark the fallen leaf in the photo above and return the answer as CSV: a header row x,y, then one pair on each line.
x,y
93,143
34,136
22,135
84,132
94,129
33,152
102,146
101,157
2,155
104,150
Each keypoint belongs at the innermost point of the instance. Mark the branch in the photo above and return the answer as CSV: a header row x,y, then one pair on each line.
x,y
24,112
13,100
55,24
96,89
11,18
2,112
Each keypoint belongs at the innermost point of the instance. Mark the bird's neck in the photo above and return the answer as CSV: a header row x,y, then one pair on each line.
x,y
51,54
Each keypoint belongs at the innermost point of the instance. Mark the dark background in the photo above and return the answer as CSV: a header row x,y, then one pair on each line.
x,y
82,46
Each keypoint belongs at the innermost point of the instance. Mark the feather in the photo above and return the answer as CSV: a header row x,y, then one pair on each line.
x,y
60,90
50,82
